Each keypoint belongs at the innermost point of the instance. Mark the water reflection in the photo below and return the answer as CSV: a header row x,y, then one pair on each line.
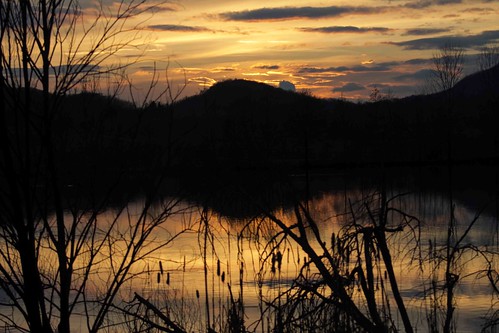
x,y
218,260
232,267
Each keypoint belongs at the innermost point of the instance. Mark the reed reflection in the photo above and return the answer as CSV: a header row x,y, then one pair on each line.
x,y
391,252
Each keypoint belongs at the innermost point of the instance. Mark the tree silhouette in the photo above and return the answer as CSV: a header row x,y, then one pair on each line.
x,y
52,248
447,67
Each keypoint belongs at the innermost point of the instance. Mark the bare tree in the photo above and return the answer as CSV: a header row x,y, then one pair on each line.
x,y
51,252
448,66
350,283
488,57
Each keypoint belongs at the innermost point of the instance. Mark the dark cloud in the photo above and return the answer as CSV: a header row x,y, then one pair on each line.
x,y
268,67
378,85
161,9
479,10
419,4
425,31
288,13
177,28
373,68
416,76
345,29
360,68
427,3
470,41
65,69
351,86
154,6
223,69
312,70
418,61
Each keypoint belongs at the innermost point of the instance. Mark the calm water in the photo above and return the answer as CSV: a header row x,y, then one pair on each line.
x,y
224,254
238,250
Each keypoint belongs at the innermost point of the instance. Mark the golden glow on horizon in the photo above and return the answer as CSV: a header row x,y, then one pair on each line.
x,y
323,54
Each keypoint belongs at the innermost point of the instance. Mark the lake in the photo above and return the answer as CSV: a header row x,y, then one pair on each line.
x,y
242,268
322,251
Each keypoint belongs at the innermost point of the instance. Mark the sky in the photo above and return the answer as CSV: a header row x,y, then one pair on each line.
x,y
332,49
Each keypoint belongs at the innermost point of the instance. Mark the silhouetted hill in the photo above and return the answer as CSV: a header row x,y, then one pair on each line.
x,y
236,96
246,125
479,84
240,127
243,124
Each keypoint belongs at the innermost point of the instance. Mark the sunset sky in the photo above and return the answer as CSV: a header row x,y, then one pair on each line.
x,y
330,48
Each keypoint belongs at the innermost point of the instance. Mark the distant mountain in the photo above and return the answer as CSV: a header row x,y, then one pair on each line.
x,y
248,124
240,126
236,96
479,84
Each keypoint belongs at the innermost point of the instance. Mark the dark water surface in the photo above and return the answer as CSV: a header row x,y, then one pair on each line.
x,y
241,242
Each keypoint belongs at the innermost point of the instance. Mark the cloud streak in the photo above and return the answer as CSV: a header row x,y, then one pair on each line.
x,y
421,4
424,31
346,29
268,67
382,67
415,76
348,87
470,41
177,28
291,13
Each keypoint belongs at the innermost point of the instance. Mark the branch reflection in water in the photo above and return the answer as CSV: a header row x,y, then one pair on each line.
x,y
359,257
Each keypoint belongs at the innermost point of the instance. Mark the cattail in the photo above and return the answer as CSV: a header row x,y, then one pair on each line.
x,y
197,294
333,241
279,259
168,278
223,277
161,267
159,277
218,267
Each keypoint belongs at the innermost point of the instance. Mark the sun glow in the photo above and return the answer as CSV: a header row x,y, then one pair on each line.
x,y
295,35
